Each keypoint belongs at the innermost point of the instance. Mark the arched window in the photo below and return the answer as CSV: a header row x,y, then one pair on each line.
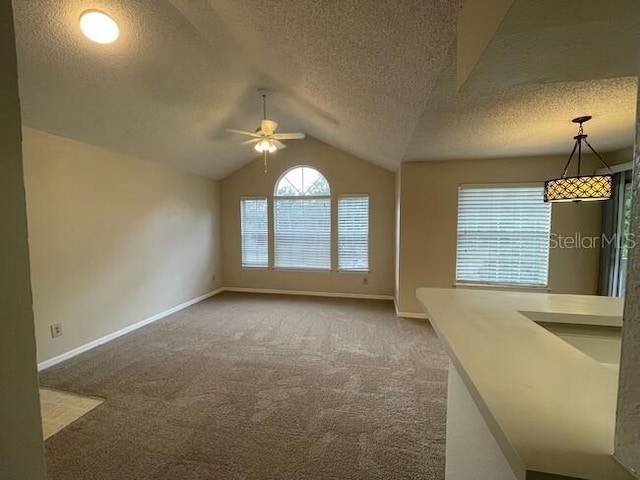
x,y
302,181
302,220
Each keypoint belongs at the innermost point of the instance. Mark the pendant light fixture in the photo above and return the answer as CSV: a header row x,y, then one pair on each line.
x,y
581,187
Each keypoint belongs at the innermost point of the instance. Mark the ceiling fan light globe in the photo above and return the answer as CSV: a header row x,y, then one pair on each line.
x,y
265,146
261,146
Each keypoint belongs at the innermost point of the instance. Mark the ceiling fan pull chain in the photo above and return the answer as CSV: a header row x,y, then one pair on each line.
x,y
265,161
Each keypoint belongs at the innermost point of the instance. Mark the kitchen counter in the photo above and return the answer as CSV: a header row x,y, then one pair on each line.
x,y
549,406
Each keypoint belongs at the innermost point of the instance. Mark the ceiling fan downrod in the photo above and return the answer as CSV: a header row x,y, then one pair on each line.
x,y
264,106
264,92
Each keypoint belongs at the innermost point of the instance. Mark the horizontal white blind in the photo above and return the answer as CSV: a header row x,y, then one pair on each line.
x,y
303,233
254,232
353,233
503,235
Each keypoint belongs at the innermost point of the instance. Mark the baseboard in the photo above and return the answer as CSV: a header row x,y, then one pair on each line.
x,y
107,338
312,294
421,316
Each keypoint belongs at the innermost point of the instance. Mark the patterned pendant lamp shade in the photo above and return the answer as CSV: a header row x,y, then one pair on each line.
x,y
575,189
581,187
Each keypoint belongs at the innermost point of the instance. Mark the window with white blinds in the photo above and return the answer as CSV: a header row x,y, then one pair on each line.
x,y
302,220
353,233
254,226
503,235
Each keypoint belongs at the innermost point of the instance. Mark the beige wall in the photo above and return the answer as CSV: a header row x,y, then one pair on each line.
x,y
346,174
627,436
398,219
21,450
617,157
478,22
113,239
429,201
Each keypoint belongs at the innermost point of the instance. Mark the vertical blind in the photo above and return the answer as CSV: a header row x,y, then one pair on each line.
x,y
503,235
254,228
303,232
353,233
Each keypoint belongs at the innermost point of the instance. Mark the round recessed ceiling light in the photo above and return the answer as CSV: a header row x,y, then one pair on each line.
x,y
99,27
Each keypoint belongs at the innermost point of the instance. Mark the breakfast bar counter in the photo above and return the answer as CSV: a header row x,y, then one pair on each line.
x,y
524,403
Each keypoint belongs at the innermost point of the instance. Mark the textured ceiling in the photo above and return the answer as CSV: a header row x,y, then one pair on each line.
x,y
374,78
548,62
525,120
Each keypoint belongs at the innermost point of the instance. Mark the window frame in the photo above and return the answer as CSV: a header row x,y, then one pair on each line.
x,y
268,263
353,195
329,197
506,285
296,167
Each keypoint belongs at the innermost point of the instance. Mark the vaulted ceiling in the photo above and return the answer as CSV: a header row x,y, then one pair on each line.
x,y
374,78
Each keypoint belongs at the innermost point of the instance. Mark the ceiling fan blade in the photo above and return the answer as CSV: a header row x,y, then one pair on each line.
x,y
278,144
253,140
268,127
289,136
243,132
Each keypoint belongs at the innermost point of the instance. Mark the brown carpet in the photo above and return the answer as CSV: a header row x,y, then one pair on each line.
x,y
259,387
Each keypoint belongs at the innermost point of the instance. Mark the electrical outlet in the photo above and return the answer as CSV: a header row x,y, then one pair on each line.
x,y
56,330
365,280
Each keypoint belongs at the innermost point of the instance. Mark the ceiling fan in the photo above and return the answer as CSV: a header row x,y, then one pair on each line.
x,y
265,137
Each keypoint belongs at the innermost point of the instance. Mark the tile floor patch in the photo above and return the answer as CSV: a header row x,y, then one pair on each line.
x,y
59,409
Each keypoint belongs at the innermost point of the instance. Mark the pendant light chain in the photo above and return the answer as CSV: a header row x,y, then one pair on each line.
x,y
580,137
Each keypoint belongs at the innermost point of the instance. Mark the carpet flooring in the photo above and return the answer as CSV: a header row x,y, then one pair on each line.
x,y
249,386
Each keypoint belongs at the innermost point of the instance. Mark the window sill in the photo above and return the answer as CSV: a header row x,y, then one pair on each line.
x,y
306,270
502,286
302,270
